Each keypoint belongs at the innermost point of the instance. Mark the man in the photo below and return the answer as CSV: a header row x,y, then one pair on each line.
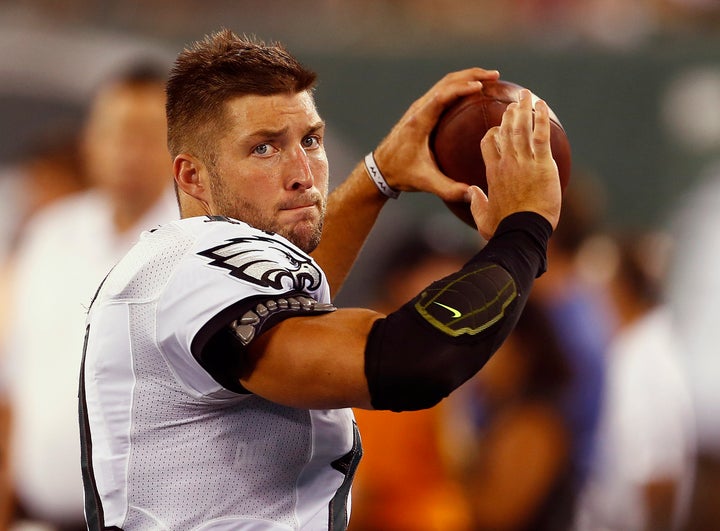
x,y
62,256
218,376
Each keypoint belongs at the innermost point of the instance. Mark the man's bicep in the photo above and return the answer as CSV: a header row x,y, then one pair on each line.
x,y
315,362
221,345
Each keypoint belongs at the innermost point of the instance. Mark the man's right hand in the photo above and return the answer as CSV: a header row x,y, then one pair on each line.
x,y
404,155
521,172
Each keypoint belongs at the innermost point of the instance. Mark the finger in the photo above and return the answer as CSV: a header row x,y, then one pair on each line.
x,y
451,87
447,189
521,124
468,75
541,131
477,73
489,146
480,210
477,198
504,138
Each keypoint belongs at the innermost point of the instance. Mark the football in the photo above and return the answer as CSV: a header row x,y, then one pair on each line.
x,y
455,141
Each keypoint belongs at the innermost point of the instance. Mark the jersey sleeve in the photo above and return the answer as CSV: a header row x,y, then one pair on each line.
x,y
233,284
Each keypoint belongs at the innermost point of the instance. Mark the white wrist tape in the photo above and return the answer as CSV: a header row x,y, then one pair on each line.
x,y
377,177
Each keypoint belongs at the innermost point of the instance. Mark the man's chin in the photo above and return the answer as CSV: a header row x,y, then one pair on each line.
x,y
305,235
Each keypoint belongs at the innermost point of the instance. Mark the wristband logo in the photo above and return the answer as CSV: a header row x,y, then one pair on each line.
x,y
468,302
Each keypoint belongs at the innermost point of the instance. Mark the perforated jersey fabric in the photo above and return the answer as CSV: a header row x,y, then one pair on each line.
x,y
165,446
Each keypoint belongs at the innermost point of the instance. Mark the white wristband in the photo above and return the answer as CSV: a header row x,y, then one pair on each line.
x,y
374,172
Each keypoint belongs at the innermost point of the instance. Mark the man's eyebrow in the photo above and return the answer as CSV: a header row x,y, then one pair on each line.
x,y
276,133
268,133
320,124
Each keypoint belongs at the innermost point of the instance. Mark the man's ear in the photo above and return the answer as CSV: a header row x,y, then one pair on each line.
x,y
191,178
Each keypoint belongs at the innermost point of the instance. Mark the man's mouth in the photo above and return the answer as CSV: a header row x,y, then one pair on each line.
x,y
300,207
311,202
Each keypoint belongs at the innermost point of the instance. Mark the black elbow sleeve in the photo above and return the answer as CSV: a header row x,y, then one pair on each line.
x,y
419,354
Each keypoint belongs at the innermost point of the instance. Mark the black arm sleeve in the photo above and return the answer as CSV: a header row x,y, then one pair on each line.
x,y
419,354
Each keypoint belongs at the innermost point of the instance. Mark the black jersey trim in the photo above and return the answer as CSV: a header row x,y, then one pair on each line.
x,y
347,466
220,346
94,514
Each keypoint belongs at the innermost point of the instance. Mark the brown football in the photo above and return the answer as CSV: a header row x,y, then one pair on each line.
x,y
455,141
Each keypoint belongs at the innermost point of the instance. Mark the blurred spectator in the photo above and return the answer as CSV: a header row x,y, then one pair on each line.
x,y
643,470
517,470
694,289
572,294
61,258
403,483
689,16
48,169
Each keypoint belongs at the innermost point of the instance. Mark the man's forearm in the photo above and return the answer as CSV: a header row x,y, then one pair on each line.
x,y
420,353
352,210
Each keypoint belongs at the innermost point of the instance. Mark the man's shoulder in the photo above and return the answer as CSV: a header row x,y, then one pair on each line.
x,y
212,226
234,247
209,231
263,259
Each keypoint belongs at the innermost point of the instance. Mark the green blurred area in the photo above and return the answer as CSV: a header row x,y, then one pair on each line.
x,y
609,104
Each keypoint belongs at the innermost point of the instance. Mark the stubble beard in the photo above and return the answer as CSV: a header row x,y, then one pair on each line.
x,y
305,234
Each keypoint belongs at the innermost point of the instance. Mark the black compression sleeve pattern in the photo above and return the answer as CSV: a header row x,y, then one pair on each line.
x,y
420,353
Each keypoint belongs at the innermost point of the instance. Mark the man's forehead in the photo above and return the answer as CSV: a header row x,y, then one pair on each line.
x,y
252,111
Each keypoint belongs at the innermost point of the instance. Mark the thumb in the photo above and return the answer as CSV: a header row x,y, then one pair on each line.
x,y
448,189
480,209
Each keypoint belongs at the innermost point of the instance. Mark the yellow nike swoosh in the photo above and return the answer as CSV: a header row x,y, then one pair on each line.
x,y
454,312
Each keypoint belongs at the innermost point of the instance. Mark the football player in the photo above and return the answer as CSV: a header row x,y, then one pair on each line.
x,y
218,376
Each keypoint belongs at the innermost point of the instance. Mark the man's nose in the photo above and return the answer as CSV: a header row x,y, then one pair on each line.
x,y
300,176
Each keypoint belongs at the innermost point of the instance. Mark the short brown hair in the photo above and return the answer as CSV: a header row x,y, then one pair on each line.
x,y
210,72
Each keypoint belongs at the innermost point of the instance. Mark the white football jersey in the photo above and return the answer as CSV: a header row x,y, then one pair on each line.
x,y
170,439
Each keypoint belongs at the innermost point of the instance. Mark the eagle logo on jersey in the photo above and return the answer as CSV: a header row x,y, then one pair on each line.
x,y
266,262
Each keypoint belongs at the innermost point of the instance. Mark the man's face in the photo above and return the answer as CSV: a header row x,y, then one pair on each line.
x,y
271,169
125,142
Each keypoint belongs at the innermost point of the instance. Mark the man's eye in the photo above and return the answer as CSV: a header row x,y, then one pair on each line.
x,y
310,142
262,149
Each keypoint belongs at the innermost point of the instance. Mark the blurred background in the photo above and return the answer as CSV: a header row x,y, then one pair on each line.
x,y
636,85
